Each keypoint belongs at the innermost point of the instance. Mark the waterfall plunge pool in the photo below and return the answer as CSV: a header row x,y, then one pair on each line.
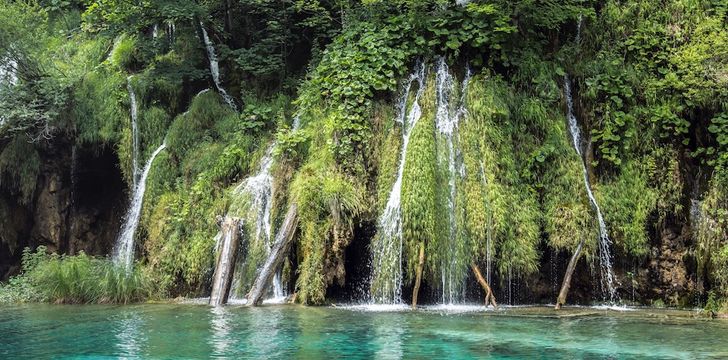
x,y
163,331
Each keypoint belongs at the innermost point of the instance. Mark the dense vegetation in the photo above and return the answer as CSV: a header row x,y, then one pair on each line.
x,y
650,84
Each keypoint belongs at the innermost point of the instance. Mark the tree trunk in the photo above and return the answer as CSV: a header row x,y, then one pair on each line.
x,y
566,284
278,253
418,277
489,297
225,261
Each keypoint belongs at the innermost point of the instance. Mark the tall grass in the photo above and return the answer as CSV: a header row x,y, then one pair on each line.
x,y
79,279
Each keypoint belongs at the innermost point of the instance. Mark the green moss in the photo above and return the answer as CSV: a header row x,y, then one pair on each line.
x,y
422,199
627,202
124,53
100,114
328,202
711,230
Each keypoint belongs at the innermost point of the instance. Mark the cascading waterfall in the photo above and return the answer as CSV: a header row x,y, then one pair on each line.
x,y
387,277
134,132
215,69
260,190
8,71
605,257
447,122
171,30
8,77
124,249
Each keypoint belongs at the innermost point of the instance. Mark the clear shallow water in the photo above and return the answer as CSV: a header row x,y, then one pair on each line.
x,y
194,331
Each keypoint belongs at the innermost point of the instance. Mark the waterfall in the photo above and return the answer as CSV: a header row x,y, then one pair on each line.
x,y
387,277
279,293
605,257
215,69
134,133
171,29
447,122
8,71
260,189
696,215
124,248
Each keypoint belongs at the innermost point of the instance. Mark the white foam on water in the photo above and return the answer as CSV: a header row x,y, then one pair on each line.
x,y
375,307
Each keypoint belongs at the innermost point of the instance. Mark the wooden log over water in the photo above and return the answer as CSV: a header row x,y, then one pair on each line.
x,y
566,284
489,297
223,277
278,253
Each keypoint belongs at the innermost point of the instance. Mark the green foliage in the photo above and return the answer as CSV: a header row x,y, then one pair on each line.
x,y
711,232
210,148
366,59
328,202
627,203
610,88
423,206
99,114
75,279
123,54
653,69
198,124
718,154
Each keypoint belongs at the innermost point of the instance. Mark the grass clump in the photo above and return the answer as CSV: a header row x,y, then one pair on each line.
x,y
79,279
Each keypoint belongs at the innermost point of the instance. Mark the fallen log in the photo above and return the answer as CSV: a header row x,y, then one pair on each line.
x,y
418,277
489,297
278,253
222,279
566,284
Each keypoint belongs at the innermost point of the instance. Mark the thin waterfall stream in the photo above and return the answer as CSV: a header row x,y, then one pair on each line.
x,y
447,118
260,191
215,69
124,248
134,131
387,277
605,256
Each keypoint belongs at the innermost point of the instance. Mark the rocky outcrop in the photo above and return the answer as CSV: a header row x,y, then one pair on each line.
x,y
72,210
669,278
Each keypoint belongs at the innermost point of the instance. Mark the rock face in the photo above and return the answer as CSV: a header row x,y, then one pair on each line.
x,y
669,278
72,210
51,211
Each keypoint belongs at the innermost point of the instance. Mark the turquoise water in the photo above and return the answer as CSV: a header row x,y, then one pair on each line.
x,y
195,331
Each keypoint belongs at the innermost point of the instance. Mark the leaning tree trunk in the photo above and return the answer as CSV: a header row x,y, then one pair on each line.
x,y
418,277
223,277
566,284
278,253
489,297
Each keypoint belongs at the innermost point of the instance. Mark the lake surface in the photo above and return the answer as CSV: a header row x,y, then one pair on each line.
x,y
166,331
